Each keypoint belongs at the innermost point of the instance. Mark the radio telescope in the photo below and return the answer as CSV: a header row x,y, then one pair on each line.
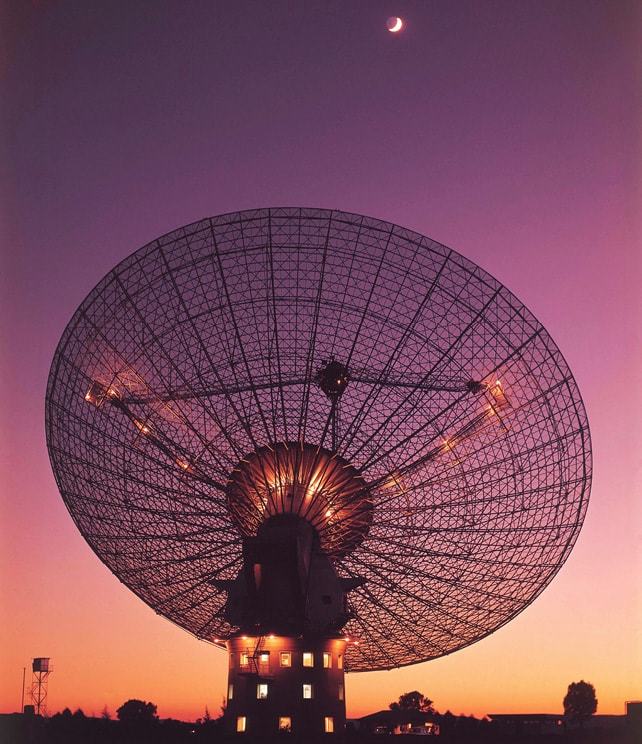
x,y
321,441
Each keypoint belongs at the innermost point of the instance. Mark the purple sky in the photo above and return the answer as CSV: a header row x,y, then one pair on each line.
x,y
509,131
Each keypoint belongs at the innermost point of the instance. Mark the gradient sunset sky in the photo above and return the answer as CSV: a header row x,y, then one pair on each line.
x,y
510,131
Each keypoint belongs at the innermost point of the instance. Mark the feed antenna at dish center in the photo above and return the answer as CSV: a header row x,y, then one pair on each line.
x,y
301,431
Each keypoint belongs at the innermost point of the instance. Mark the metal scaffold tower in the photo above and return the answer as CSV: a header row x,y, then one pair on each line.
x,y
41,670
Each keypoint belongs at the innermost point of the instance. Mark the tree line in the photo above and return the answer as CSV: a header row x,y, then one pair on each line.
x,y
137,722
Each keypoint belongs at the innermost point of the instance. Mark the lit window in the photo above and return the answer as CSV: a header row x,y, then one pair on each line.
x,y
340,661
230,692
285,723
329,725
241,724
245,658
307,691
286,659
340,692
327,660
308,659
261,691
264,657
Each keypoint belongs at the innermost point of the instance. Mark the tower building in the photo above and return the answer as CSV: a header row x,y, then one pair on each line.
x,y
286,660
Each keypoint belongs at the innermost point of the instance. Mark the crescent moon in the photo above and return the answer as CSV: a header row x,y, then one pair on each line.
x,y
397,26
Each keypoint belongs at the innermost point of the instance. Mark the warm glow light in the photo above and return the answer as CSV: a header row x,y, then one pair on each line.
x,y
499,396
307,481
142,427
95,394
183,464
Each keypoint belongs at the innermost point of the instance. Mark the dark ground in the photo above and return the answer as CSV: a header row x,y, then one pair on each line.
x,y
16,729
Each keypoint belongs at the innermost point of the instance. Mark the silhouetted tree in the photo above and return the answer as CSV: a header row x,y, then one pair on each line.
x,y
205,719
69,728
413,701
580,702
137,711
105,715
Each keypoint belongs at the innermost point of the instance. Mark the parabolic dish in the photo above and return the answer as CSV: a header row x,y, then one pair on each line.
x,y
459,420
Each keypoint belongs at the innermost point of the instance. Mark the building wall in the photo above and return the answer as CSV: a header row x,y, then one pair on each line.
x,y
285,695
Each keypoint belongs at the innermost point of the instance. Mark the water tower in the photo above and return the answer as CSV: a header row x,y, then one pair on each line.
x,y
41,669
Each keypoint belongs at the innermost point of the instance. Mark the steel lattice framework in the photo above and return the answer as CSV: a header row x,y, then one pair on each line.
x,y
458,412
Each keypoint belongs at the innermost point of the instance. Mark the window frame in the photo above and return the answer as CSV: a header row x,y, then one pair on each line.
x,y
308,686
241,724
308,656
260,685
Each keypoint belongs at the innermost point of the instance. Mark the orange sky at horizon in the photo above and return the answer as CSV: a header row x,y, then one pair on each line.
x,y
107,646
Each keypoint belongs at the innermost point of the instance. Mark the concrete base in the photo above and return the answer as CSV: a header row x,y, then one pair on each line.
x,y
281,684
